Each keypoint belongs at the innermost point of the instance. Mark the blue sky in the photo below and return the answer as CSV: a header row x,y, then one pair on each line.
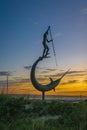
x,y
23,22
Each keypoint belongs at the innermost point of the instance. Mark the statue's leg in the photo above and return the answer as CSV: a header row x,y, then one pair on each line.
x,y
47,50
44,52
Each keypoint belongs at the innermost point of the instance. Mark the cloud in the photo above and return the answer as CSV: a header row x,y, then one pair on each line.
x,y
27,67
58,34
42,69
33,21
41,79
72,81
25,80
57,75
51,69
45,71
5,73
12,83
20,80
69,82
85,81
48,70
2,83
84,10
76,72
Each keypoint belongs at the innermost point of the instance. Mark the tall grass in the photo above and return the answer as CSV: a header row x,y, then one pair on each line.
x,y
14,116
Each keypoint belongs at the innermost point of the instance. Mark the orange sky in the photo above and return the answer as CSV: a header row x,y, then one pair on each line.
x,y
73,84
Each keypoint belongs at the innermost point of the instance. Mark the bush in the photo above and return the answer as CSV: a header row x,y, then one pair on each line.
x,y
13,116
10,107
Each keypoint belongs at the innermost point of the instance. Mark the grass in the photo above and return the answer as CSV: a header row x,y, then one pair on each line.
x,y
14,116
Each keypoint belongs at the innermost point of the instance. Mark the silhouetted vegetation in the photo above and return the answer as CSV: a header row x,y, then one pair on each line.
x,y
23,114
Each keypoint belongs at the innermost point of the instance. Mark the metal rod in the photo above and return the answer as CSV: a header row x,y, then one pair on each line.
x,y
53,47
43,95
7,84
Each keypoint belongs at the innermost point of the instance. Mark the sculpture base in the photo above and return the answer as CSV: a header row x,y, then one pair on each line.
x,y
43,95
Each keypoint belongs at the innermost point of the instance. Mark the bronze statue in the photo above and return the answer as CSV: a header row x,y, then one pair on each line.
x,y
39,86
45,40
36,84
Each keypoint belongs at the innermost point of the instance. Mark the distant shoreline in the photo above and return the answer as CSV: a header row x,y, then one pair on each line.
x,y
50,97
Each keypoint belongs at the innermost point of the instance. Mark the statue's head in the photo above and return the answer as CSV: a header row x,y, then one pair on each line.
x,y
46,32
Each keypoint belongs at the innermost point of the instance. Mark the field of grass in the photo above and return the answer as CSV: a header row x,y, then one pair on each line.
x,y
21,114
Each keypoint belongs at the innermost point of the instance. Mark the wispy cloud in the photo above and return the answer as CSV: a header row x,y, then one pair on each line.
x,y
74,72
20,80
78,73
33,21
58,34
45,71
25,80
85,81
84,10
42,69
72,81
41,79
27,67
48,70
51,69
5,73
69,82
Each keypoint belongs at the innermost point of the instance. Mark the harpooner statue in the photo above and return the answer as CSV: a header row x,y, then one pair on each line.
x,y
36,84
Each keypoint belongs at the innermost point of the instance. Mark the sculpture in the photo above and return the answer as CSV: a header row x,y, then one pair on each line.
x,y
36,84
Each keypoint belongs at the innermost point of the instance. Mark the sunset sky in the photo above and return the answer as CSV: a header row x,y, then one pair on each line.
x,y
22,25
